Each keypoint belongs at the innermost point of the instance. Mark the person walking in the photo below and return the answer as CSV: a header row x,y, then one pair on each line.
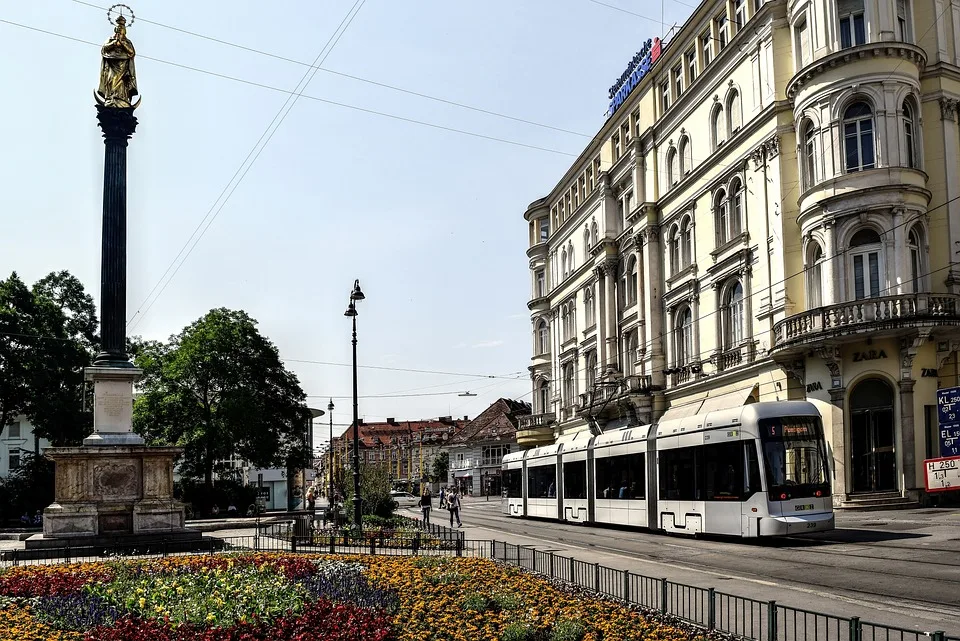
x,y
425,503
443,497
453,504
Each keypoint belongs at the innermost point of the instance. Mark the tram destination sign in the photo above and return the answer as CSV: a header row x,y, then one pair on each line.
x,y
942,474
948,417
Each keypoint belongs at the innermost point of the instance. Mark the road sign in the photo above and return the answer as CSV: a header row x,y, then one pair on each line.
x,y
942,474
948,417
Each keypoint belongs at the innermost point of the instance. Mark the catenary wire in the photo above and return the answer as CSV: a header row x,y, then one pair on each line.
x,y
346,75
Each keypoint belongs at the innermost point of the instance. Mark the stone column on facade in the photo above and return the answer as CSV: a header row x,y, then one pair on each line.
x,y
601,319
653,310
830,269
720,327
948,114
908,437
639,172
557,340
695,307
746,276
899,253
613,353
641,304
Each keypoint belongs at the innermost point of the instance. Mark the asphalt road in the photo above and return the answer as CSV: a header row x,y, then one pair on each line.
x,y
896,567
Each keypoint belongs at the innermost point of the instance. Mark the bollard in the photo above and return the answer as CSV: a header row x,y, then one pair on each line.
x,y
712,609
626,586
573,571
459,547
416,543
66,554
552,561
333,544
856,630
772,621
596,577
939,635
373,545
293,544
664,596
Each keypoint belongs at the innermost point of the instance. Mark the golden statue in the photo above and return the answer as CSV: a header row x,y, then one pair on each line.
x,y
118,76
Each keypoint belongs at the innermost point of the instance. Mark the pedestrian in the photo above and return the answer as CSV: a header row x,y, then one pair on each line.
x,y
425,503
453,504
443,497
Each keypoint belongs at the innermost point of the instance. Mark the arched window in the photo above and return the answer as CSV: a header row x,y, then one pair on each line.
x,y
808,154
686,241
565,322
630,355
591,369
632,281
716,132
734,117
915,250
909,136
733,315
722,216
569,385
814,276
543,337
686,156
589,308
543,396
736,208
683,337
866,264
858,147
673,168
674,249
852,27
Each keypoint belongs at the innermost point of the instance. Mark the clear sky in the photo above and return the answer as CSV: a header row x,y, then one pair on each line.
x,y
429,220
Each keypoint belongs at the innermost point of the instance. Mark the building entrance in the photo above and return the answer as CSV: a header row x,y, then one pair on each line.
x,y
872,437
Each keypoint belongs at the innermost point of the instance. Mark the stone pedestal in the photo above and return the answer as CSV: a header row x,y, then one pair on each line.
x,y
111,494
113,405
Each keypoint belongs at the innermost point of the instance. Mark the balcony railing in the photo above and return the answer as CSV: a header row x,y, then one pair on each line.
x,y
743,354
862,315
533,421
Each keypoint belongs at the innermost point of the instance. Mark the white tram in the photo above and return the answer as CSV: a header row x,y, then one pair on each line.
x,y
756,470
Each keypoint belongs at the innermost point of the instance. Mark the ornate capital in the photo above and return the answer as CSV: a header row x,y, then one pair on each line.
x,y
795,369
772,146
949,108
117,123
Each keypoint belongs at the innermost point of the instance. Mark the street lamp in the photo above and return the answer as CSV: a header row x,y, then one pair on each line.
x,y
355,295
330,447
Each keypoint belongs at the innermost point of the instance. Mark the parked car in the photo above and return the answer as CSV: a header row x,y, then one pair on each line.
x,y
404,499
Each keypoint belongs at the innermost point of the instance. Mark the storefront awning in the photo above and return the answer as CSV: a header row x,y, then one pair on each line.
x,y
735,398
682,409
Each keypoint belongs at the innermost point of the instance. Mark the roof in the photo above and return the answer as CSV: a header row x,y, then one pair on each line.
x,y
386,433
497,422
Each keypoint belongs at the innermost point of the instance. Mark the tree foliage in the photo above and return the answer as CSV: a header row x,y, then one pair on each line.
x,y
374,490
48,335
441,468
219,389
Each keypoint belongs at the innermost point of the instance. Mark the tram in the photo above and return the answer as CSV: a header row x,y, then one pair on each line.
x,y
752,471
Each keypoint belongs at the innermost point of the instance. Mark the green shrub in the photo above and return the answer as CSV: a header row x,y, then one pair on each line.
x,y
505,601
476,602
568,630
518,632
430,562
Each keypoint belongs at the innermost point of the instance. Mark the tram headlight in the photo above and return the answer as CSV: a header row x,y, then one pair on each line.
x,y
783,497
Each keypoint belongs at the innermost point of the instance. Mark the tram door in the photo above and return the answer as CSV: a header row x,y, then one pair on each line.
x,y
872,437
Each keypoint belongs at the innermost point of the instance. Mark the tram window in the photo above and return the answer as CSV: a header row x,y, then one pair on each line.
x,y
753,469
723,471
678,474
620,477
542,482
575,480
512,485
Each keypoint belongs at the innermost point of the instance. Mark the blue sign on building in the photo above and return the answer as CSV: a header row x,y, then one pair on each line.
x,y
948,417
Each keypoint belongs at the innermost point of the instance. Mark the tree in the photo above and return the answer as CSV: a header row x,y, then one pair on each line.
x,y
374,491
47,337
441,467
217,389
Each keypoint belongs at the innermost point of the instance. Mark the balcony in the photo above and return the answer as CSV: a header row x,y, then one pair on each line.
x,y
744,354
871,315
536,429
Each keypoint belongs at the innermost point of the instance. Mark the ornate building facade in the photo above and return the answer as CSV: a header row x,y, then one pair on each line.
x,y
771,211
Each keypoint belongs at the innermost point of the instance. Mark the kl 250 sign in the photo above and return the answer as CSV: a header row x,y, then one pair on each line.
x,y
943,474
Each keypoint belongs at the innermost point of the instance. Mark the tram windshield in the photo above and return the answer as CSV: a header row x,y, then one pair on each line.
x,y
794,457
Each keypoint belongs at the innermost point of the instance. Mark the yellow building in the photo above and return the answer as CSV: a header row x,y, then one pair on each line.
x,y
771,211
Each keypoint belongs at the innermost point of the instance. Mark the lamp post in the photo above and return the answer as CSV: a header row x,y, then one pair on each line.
x,y
355,295
330,448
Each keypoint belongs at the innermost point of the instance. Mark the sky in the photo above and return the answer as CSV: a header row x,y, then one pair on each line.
x,y
420,200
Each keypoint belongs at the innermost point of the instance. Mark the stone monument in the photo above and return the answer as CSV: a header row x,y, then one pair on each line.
x,y
114,489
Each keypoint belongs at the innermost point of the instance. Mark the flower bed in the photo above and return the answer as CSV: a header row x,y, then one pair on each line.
x,y
282,597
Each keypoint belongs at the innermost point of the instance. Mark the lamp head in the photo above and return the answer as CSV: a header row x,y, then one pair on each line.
x,y
330,405
351,310
356,294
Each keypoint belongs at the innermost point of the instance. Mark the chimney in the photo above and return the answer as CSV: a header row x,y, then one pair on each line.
x,y
466,418
359,422
391,421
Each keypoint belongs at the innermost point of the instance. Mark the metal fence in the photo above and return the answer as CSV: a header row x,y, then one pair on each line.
x,y
707,607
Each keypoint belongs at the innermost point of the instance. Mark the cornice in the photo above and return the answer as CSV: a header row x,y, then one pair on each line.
x,y
902,50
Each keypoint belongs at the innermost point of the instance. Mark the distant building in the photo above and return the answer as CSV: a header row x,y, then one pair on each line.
x,y
16,441
476,452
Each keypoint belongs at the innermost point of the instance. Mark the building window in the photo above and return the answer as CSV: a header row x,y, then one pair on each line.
x,y
691,62
13,430
852,31
865,263
674,250
736,208
590,178
915,249
739,14
493,454
630,355
665,96
809,154
616,146
904,28
627,205
13,461
858,147
815,277
632,281
683,336
596,168
567,321
705,50
804,50
757,4
733,316
543,396
591,369
540,280
673,167
686,241
734,118
544,229
715,138
722,216
678,80
569,385
686,156
909,138
625,134
575,189
720,23
590,311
